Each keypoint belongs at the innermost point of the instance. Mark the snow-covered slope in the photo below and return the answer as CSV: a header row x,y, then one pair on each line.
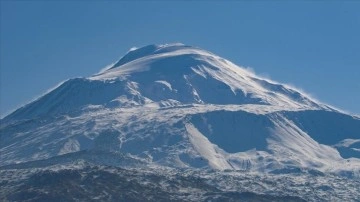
x,y
168,75
181,106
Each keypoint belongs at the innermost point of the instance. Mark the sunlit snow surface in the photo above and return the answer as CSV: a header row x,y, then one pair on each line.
x,y
179,107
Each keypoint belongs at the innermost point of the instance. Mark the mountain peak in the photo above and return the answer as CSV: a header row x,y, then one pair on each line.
x,y
167,75
176,57
136,53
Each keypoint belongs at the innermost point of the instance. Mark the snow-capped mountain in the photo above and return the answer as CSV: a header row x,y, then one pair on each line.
x,y
180,107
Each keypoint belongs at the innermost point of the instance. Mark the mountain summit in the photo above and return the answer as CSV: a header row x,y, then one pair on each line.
x,y
192,75
173,74
183,107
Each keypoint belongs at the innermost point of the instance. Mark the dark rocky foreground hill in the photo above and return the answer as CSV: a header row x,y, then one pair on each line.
x,y
88,182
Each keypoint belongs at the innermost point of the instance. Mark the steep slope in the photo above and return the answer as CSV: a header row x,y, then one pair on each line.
x,y
180,106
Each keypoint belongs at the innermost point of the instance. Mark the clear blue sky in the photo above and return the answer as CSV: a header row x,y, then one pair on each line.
x,y
314,46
